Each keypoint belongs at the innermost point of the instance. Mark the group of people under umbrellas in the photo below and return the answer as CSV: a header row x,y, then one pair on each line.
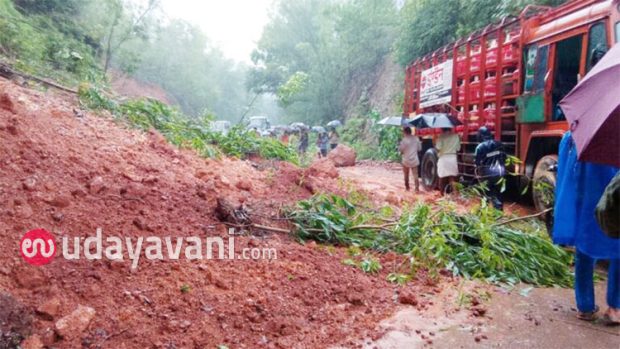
x,y
587,192
326,139
490,158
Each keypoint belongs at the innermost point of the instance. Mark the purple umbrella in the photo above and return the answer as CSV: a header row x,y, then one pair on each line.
x,y
593,111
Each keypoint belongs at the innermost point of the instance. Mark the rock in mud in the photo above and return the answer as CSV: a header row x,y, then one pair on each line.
x,y
57,216
244,184
140,224
310,183
29,277
408,298
32,342
96,185
227,211
342,156
201,173
6,102
29,184
355,298
72,325
60,201
49,309
323,168
134,191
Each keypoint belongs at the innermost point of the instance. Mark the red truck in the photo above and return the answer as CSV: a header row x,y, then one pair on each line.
x,y
510,76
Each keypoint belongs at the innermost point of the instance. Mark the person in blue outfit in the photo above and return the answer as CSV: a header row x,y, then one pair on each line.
x,y
491,165
579,187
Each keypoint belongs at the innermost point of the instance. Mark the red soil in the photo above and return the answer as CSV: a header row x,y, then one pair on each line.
x,y
50,161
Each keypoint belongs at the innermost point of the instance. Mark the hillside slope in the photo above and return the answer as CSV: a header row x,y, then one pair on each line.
x,y
378,90
71,172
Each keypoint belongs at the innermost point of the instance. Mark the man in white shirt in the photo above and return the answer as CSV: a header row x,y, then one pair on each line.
x,y
409,147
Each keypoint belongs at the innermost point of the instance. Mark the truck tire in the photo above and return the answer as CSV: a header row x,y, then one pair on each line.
x,y
543,187
428,170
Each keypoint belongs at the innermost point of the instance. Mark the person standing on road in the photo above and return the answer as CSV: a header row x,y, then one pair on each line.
x,y
490,165
579,187
447,145
284,137
303,142
322,142
334,138
409,148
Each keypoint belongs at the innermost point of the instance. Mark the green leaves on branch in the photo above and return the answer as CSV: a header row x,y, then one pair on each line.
x,y
338,45
293,87
474,244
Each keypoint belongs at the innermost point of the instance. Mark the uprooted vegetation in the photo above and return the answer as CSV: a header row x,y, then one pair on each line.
x,y
475,244
186,132
480,243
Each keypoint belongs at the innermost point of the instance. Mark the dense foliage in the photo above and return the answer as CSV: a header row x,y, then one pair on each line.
x,y
40,44
319,57
372,141
97,40
323,57
425,25
313,53
475,244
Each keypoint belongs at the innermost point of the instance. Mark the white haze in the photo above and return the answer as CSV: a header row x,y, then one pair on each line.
x,y
233,25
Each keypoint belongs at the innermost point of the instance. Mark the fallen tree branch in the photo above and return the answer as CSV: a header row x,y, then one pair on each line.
x,y
376,227
113,335
523,217
258,226
8,71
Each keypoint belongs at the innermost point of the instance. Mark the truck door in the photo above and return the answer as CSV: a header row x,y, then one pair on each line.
x,y
532,102
566,72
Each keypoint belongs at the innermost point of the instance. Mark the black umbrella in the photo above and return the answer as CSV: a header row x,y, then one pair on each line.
x,y
434,120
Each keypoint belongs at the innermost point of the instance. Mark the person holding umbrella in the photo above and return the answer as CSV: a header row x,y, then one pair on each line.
x,y
322,142
589,158
334,137
447,145
409,147
578,189
303,141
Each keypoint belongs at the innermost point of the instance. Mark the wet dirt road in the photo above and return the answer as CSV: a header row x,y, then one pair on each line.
x,y
524,317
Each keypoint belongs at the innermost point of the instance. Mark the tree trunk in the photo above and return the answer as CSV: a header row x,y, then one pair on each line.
x,y
108,52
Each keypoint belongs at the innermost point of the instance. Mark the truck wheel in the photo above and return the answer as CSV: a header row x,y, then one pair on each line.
x,y
428,169
543,187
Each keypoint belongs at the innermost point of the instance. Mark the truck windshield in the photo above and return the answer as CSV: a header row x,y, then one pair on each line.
x,y
597,44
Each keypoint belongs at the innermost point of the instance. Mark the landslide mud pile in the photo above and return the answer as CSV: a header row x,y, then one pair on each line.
x,y
70,172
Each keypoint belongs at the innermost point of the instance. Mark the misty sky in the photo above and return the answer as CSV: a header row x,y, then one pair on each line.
x,y
233,25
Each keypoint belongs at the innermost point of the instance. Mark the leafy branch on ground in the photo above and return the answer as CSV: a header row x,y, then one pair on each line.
x,y
470,244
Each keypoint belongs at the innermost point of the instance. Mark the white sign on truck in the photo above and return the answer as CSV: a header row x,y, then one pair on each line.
x,y
436,85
